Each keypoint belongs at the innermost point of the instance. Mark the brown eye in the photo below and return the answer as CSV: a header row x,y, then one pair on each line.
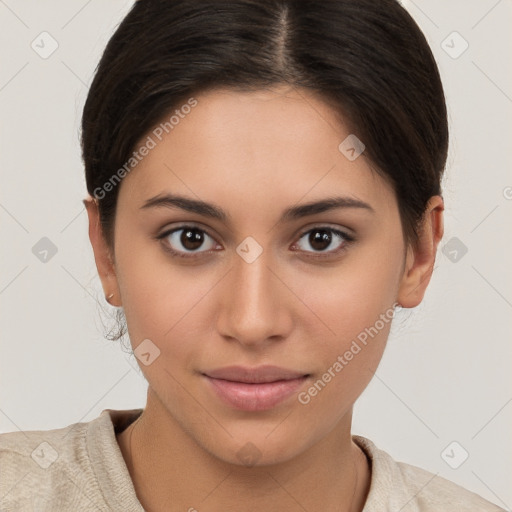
x,y
187,239
321,239
191,238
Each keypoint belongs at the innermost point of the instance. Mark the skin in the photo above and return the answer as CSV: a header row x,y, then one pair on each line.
x,y
254,155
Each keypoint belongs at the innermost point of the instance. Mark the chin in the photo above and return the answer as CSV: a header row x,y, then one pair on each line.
x,y
259,449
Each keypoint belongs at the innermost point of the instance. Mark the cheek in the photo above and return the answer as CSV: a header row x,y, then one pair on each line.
x,y
347,299
162,300
353,308
346,364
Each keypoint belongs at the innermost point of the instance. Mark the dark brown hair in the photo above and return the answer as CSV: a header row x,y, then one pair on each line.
x,y
367,59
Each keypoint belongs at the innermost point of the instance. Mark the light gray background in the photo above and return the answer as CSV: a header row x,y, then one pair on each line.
x,y
445,375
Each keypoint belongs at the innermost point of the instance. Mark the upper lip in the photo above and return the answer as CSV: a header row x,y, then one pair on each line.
x,y
257,375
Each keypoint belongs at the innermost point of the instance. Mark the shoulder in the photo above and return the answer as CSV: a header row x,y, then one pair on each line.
x,y
412,489
34,462
49,469
433,491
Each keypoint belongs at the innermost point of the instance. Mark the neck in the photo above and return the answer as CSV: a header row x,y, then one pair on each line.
x,y
167,467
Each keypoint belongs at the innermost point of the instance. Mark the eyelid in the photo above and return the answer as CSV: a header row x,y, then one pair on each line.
x,y
346,232
191,224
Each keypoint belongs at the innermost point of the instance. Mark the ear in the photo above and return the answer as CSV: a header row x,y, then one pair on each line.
x,y
102,254
420,260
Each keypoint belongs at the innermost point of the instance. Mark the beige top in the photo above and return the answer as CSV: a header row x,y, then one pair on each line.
x,y
81,468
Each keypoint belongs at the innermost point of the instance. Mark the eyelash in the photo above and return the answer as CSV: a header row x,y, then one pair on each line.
x,y
348,240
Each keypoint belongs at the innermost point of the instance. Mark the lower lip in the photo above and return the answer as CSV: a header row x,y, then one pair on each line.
x,y
255,397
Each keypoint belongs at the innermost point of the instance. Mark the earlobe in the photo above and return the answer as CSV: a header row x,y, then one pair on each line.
x,y
420,260
102,254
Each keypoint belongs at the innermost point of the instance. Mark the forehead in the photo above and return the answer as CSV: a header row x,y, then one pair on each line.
x,y
259,149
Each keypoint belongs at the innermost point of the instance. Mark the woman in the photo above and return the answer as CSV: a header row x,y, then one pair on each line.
x,y
264,181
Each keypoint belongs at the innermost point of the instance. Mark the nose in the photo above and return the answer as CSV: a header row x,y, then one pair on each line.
x,y
256,305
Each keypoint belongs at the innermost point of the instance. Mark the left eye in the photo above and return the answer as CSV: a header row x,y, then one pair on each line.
x,y
321,238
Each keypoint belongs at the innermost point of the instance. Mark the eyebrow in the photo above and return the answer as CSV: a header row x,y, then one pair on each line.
x,y
174,201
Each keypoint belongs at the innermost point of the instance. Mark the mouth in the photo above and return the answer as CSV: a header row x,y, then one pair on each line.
x,y
254,389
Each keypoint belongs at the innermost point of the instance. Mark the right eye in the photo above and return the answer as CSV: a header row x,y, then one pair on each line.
x,y
184,241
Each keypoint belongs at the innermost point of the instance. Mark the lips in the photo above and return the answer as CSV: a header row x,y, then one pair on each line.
x,y
258,375
254,389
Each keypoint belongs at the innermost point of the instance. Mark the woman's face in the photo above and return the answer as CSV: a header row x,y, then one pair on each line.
x,y
256,287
